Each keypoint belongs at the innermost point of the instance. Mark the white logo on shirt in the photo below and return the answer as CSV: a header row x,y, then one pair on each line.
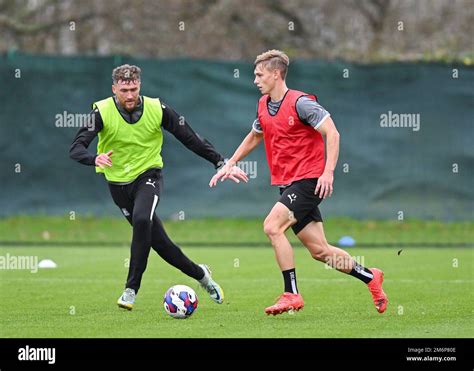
x,y
151,183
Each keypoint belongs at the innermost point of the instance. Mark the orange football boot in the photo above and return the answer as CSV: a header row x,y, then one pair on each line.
x,y
285,303
375,288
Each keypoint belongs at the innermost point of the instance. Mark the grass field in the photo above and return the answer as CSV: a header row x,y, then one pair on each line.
x,y
85,229
430,289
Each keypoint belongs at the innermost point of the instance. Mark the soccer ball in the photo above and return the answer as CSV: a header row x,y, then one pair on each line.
x,y
180,301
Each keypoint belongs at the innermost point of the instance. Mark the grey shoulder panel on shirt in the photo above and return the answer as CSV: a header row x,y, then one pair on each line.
x,y
256,126
311,112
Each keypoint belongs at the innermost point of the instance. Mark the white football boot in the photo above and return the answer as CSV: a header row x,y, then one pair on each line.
x,y
211,286
127,299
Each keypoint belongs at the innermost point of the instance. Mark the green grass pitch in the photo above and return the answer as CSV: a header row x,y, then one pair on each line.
x,y
430,295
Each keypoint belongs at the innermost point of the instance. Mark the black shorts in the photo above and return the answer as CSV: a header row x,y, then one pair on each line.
x,y
299,197
139,198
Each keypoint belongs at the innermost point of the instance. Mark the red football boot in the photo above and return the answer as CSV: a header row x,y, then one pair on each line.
x,y
375,288
285,303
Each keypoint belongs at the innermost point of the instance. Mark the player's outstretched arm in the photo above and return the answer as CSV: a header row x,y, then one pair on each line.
x,y
177,126
230,170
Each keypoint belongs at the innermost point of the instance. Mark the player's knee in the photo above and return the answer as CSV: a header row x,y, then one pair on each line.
x,y
141,221
320,255
319,251
271,229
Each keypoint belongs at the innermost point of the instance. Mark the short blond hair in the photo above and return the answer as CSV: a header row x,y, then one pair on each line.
x,y
274,60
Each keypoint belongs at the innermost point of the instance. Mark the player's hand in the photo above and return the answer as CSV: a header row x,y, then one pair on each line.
x,y
229,171
104,160
324,186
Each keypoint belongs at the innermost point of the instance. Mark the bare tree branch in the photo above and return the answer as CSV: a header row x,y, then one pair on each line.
x,y
278,8
20,28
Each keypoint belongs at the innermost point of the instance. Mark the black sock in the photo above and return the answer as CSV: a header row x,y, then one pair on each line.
x,y
289,276
362,273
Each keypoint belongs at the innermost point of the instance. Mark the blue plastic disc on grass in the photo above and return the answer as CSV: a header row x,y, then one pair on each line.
x,y
346,241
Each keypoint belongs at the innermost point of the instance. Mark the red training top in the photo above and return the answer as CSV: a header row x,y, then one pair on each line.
x,y
294,150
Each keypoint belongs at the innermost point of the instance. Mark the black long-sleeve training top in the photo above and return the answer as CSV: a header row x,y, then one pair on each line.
x,y
171,122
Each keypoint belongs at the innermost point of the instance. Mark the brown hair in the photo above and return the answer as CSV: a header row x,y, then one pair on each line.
x,y
274,60
126,72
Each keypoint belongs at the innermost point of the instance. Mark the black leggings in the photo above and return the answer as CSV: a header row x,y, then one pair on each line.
x,y
138,201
